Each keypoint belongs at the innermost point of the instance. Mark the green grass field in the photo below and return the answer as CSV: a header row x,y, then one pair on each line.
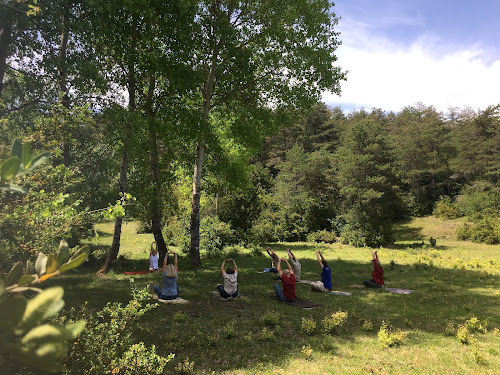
x,y
453,282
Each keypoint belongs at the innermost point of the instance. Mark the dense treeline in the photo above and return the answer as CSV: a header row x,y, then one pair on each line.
x,y
138,98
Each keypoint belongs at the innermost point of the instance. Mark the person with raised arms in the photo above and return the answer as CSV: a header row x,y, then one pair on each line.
x,y
230,275
288,280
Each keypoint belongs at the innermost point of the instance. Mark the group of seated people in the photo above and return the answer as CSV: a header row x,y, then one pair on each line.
x,y
287,276
290,275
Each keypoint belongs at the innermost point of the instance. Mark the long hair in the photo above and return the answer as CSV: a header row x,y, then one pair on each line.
x,y
170,271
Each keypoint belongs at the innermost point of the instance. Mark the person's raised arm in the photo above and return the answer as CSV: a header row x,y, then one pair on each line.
x,y
279,269
234,264
288,265
319,257
175,259
374,255
222,266
290,254
165,261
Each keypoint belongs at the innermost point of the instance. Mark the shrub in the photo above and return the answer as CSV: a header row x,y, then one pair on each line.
x,y
108,335
139,360
271,318
266,335
229,330
445,209
307,352
450,329
185,367
475,325
334,322
388,339
180,317
215,235
463,335
322,236
485,230
367,326
308,326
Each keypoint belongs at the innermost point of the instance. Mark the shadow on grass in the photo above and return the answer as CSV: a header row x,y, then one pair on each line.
x,y
441,294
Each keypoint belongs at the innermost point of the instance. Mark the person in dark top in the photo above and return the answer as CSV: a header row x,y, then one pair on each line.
x,y
326,272
377,280
288,280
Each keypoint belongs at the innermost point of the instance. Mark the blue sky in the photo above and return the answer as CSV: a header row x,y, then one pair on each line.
x,y
400,52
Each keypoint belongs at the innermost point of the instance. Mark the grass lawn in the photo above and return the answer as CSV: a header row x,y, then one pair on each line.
x,y
453,282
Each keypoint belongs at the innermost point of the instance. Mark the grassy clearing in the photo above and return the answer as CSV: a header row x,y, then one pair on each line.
x,y
453,282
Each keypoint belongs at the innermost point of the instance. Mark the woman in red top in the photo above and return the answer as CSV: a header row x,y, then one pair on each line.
x,y
377,280
288,279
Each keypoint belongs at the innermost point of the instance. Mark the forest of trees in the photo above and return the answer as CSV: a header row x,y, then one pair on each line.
x,y
208,114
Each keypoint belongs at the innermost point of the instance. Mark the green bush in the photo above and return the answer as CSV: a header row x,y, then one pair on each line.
x,y
229,330
475,325
388,339
266,334
139,360
445,209
215,235
322,236
308,326
108,336
271,318
463,335
367,325
485,230
450,329
333,323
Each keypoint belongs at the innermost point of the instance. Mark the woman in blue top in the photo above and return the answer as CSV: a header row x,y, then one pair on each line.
x,y
326,273
170,288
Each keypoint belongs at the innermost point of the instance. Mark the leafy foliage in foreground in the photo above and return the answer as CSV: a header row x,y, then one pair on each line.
x,y
23,338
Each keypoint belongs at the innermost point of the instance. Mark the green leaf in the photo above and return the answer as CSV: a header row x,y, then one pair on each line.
x,y
30,269
2,287
11,311
46,333
14,275
51,265
9,168
26,279
78,258
26,155
63,252
42,306
76,328
37,161
17,149
12,187
40,265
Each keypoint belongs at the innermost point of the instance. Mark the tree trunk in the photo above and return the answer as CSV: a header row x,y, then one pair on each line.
x,y
155,171
195,207
115,246
62,80
5,40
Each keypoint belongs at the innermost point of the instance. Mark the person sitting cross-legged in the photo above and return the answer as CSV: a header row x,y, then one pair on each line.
x,y
325,285
288,279
170,288
230,275
377,280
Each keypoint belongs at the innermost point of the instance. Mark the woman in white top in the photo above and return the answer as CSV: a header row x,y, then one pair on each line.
x,y
230,275
153,258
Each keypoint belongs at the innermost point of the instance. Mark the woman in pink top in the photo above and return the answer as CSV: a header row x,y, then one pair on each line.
x,y
377,280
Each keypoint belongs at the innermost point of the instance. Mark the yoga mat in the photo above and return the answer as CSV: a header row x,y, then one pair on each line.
x,y
399,290
300,303
178,300
338,293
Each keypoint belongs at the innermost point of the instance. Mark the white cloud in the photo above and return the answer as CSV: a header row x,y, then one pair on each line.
x,y
390,76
